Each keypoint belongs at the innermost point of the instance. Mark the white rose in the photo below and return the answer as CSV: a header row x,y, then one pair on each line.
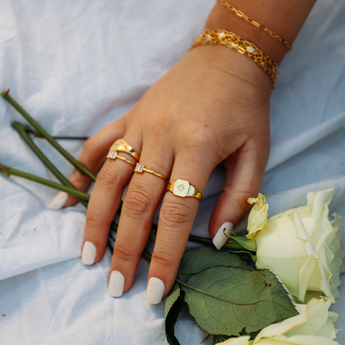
x,y
314,326
301,246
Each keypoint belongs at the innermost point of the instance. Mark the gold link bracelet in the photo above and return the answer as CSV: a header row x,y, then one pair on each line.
x,y
255,23
218,36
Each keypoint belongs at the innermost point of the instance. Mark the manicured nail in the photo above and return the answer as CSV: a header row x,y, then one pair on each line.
x,y
116,284
124,193
89,253
58,201
155,290
220,239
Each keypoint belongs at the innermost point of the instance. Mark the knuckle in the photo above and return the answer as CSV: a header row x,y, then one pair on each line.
x,y
164,260
92,221
108,176
123,253
76,175
194,142
90,145
176,213
240,200
202,138
138,202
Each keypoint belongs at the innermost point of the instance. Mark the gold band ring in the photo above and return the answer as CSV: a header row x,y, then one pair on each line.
x,y
121,145
113,155
140,168
183,189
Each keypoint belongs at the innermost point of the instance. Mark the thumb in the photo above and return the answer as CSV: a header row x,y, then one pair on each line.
x,y
244,172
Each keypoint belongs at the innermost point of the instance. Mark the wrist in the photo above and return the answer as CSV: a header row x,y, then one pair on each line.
x,y
226,63
222,18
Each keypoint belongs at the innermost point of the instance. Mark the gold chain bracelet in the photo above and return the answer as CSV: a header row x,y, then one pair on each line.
x,y
258,25
218,36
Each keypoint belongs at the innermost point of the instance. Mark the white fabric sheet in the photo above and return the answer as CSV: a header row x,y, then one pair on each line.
x,y
77,66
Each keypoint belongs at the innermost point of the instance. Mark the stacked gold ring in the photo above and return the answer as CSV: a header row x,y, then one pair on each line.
x,y
121,145
140,168
113,155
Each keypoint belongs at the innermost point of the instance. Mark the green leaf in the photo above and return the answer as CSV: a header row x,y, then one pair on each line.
x,y
245,242
173,305
196,260
229,300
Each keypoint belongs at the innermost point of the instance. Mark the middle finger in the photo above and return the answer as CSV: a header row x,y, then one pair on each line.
x,y
142,199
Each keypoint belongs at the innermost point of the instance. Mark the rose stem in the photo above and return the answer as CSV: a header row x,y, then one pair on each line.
x,y
56,137
8,171
22,132
208,242
50,139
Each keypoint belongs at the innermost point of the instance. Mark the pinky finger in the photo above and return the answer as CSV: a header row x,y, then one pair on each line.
x,y
243,180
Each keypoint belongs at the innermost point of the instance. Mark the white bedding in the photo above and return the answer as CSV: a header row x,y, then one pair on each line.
x,y
77,66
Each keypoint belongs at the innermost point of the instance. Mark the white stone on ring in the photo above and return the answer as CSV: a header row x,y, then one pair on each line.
x,y
139,168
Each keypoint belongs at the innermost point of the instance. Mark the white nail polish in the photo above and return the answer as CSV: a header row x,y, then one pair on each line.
x,y
155,290
58,201
116,284
220,239
124,193
89,253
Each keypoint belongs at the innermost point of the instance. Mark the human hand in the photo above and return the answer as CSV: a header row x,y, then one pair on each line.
x,y
211,108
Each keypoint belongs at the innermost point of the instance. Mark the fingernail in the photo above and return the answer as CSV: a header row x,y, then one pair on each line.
x,y
124,193
89,253
155,290
116,284
220,239
58,201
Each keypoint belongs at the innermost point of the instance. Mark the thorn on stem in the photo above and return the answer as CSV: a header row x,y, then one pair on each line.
x,y
4,170
5,93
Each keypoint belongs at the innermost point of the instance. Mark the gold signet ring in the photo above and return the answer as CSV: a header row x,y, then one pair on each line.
x,y
121,145
183,189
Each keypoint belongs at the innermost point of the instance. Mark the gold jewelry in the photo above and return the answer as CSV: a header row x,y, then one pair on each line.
x,y
244,47
113,155
140,168
183,189
258,25
121,145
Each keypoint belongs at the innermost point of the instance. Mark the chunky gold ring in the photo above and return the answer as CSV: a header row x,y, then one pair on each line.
x,y
183,189
121,145
113,155
140,168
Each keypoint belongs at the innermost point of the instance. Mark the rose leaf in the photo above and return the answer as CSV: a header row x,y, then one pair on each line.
x,y
196,260
229,300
